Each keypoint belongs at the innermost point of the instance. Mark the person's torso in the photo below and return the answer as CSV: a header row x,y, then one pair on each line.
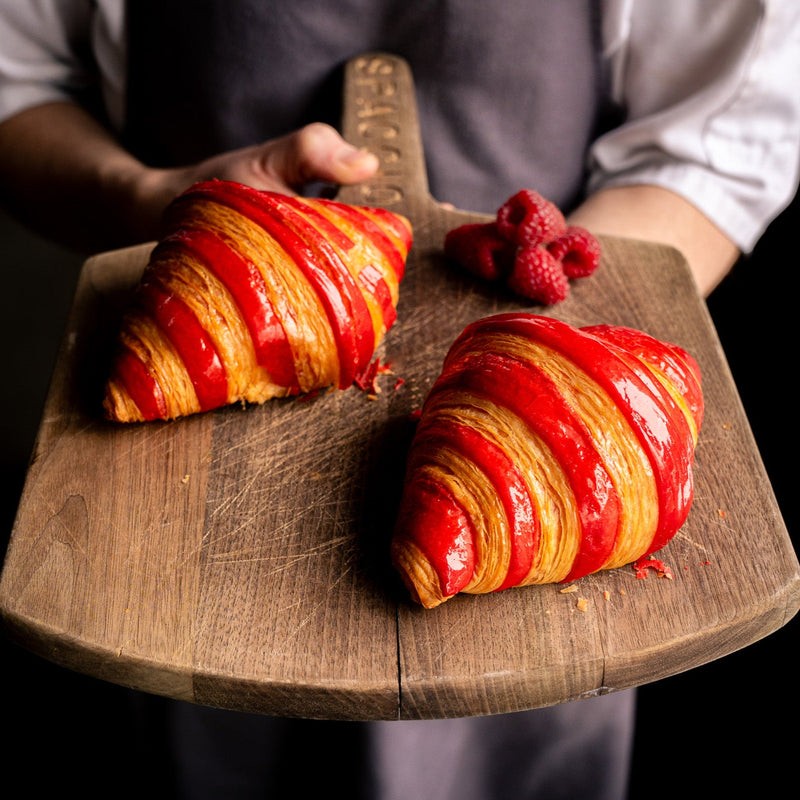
x,y
507,92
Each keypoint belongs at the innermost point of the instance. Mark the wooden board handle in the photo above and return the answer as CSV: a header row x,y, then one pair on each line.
x,y
380,115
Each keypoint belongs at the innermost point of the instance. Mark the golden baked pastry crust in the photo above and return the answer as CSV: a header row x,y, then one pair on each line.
x,y
543,453
253,295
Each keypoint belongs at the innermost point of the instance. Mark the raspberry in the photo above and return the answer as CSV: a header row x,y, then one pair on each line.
x,y
538,275
527,218
481,250
578,251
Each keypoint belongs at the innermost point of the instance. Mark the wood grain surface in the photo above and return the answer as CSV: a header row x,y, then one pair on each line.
x,y
239,558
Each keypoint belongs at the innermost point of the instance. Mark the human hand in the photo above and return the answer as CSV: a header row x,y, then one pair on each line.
x,y
59,167
314,153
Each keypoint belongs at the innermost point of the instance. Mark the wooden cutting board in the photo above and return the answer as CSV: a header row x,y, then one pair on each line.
x,y
240,558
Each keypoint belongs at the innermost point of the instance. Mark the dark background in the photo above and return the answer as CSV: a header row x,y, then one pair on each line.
x,y
719,729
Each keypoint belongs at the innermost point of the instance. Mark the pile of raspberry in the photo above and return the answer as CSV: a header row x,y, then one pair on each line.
x,y
529,246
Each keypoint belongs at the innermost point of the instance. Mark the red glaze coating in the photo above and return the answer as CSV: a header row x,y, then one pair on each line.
x,y
534,398
677,364
247,287
512,490
265,287
344,304
631,368
144,389
330,231
363,221
448,539
191,340
372,280
660,425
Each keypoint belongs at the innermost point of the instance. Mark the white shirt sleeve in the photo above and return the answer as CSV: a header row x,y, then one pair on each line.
x,y
51,50
710,91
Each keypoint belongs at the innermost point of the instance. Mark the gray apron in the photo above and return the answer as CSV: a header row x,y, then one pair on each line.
x,y
508,94
507,91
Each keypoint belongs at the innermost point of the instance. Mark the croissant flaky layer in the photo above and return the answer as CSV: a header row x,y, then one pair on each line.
x,y
543,453
252,295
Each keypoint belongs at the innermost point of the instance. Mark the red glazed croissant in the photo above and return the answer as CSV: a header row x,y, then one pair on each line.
x,y
252,295
546,452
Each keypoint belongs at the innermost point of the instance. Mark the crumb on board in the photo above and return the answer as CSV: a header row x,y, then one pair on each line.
x,y
367,380
305,398
642,566
581,604
568,589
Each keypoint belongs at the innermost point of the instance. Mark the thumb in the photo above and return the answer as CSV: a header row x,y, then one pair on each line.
x,y
318,153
